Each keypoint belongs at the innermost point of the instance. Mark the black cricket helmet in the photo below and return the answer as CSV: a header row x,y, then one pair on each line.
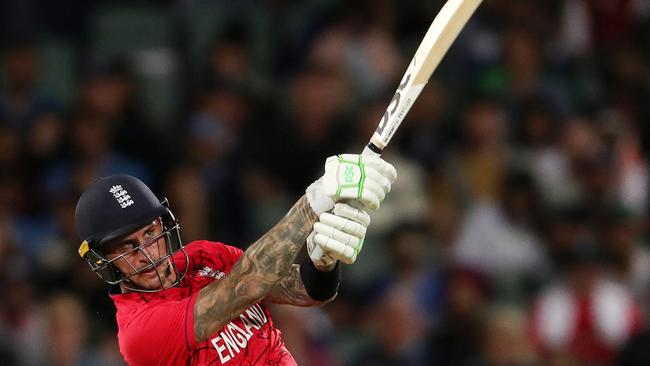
x,y
115,207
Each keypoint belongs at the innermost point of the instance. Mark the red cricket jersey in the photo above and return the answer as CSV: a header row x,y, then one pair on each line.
x,y
158,328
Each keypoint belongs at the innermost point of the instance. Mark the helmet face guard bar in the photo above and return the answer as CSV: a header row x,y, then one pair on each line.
x,y
106,269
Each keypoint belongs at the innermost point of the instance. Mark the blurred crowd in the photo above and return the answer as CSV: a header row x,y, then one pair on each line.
x,y
516,233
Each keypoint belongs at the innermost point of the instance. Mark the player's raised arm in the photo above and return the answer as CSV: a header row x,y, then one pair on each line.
x,y
270,259
340,235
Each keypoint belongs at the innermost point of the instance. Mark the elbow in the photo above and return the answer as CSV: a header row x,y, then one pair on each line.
x,y
255,290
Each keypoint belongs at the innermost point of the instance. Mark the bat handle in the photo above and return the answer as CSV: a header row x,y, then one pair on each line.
x,y
370,150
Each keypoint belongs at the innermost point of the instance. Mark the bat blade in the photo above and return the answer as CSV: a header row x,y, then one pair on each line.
x,y
441,34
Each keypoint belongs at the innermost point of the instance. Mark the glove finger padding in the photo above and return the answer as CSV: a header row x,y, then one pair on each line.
x,y
336,249
382,181
355,214
368,199
372,186
338,235
324,259
381,166
351,212
343,224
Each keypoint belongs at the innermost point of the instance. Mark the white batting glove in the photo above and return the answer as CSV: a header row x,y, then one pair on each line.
x,y
351,177
339,236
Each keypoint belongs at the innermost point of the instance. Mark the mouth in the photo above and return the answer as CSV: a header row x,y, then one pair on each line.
x,y
157,276
149,272
154,270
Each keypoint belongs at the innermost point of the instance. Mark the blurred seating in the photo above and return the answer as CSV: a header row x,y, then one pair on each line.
x,y
146,35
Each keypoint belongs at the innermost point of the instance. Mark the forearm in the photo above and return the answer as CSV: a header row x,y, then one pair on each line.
x,y
261,268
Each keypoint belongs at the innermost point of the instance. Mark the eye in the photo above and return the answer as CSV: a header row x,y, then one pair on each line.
x,y
126,246
148,234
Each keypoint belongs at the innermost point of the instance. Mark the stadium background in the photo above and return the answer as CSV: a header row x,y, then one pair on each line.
x,y
516,233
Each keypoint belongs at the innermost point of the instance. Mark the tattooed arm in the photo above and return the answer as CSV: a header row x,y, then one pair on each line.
x,y
261,268
265,263
291,291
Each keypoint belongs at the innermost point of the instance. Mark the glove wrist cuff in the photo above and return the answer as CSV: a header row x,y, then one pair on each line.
x,y
318,201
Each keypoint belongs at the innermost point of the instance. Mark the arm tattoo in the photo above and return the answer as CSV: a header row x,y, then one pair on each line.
x,y
291,291
262,266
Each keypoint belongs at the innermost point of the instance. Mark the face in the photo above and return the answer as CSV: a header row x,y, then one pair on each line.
x,y
138,252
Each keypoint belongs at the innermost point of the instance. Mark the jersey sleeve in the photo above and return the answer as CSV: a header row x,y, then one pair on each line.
x,y
160,334
214,254
234,254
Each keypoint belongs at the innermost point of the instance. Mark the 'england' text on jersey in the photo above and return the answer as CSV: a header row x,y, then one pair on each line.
x,y
232,339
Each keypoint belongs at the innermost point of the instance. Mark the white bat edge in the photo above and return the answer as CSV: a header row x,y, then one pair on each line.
x,y
441,35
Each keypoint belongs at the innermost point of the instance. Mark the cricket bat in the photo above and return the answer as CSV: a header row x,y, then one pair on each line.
x,y
441,34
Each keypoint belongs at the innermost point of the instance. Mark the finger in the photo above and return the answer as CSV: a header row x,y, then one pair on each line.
x,y
344,224
347,260
334,249
338,235
350,212
371,185
335,256
314,250
317,253
383,182
324,260
379,164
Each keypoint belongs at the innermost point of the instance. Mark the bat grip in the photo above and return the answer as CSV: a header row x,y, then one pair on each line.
x,y
370,150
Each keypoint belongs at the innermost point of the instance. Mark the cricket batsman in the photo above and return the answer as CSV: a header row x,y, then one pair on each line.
x,y
204,303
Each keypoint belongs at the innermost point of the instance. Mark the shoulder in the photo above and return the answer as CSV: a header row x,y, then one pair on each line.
x,y
208,253
201,247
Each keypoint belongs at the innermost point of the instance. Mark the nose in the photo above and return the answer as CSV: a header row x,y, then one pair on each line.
x,y
150,251
136,260
144,255
141,257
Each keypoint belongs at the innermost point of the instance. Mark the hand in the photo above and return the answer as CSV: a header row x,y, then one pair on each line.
x,y
338,236
364,179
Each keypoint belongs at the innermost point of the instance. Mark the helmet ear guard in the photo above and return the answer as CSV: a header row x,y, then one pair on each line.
x,y
99,264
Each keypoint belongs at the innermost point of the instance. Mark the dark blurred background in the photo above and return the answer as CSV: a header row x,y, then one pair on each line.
x,y
516,234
